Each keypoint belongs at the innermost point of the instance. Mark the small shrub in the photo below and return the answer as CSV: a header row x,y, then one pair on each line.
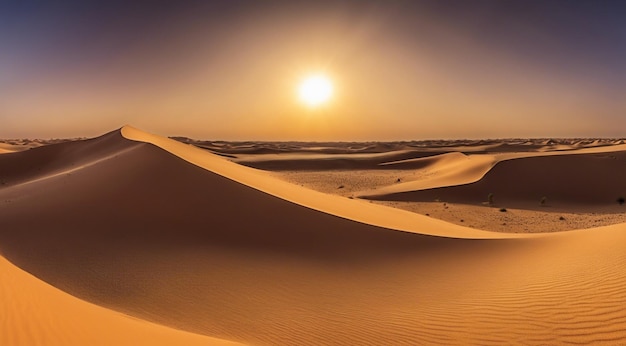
x,y
543,201
621,201
503,210
490,198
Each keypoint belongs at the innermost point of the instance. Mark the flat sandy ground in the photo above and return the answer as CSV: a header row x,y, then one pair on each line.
x,y
132,238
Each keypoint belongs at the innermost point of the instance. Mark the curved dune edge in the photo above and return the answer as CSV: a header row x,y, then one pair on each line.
x,y
445,170
36,313
453,170
356,210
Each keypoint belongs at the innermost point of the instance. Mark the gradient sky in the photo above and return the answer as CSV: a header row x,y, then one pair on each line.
x,y
230,69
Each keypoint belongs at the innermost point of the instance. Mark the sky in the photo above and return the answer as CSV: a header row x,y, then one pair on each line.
x,y
230,70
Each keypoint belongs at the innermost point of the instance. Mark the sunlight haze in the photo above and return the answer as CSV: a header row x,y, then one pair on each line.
x,y
228,70
315,90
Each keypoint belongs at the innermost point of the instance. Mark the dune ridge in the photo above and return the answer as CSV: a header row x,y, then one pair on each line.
x,y
349,209
172,234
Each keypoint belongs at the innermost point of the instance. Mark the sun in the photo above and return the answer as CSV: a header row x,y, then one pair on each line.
x,y
315,90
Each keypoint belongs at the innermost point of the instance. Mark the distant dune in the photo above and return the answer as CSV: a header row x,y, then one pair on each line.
x,y
583,180
186,241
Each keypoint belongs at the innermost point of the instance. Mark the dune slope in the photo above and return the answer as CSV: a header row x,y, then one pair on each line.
x,y
212,249
585,180
35,313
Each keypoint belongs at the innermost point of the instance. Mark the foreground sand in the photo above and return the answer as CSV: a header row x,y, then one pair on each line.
x,y
35,313
172,234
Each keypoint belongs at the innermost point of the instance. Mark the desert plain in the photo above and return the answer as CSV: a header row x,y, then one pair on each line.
x,y
133,238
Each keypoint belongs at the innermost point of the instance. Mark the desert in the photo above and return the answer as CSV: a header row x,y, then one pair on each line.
x,y
170,242
323,173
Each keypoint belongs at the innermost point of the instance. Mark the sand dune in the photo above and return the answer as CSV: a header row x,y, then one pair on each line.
x,y
13,145
172,234
6,148
441,170
316,161
24,166
578,179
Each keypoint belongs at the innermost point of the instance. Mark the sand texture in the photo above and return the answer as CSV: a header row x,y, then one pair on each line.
x,y
133,238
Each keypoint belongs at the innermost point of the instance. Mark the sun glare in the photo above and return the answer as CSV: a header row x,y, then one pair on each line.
x,y
315,90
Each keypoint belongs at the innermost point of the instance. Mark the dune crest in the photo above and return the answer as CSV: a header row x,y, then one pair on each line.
x,y
351,209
